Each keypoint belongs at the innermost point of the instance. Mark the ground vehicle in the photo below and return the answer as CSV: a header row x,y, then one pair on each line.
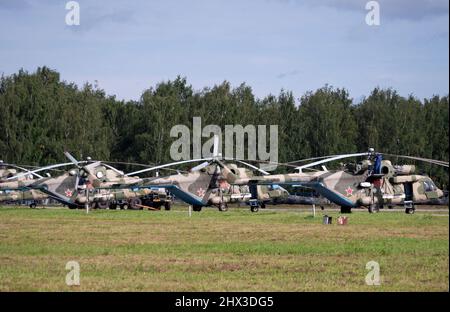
x,y
127,199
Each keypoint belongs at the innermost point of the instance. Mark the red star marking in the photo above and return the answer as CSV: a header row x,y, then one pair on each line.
x,y
201,192
223,184
89,184
349,191
68,193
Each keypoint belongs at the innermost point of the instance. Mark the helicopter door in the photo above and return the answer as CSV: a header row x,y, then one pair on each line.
x,y
408,191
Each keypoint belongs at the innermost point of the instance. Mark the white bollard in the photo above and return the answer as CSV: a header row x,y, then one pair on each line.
x,y
190,211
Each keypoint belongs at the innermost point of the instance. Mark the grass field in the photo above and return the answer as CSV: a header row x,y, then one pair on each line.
x,y
212,251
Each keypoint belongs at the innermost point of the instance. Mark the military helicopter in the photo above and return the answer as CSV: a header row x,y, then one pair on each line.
x,y
9,170
98,198
371,183
26,195
96,183
204,185
76,187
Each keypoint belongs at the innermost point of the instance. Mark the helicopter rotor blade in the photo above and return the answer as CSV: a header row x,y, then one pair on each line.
x,y
168,165
312,158
201,166
71,158
428,160
336,157
139,165
266,162
39,170
253,167
324,159
113,169
22,168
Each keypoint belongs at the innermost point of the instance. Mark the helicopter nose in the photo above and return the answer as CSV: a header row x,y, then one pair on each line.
x,y
440,193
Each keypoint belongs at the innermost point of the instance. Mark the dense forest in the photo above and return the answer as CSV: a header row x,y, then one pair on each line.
x,y
42,115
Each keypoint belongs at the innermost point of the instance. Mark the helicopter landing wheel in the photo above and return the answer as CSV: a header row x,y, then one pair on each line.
x,y
254,209
374,208
113,206
223,207
409,207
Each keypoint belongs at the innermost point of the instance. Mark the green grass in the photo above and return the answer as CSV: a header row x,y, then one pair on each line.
x,y
233,251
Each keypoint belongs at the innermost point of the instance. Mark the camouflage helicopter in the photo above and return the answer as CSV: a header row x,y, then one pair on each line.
x,y
79,186
26,195
98,198
92,184
204,185
371,183
10,170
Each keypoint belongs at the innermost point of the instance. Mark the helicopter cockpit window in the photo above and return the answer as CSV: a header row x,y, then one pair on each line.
x,y
273,187
355,168
429,186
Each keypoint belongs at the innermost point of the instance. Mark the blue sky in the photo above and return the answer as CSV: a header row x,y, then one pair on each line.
x,y
128,46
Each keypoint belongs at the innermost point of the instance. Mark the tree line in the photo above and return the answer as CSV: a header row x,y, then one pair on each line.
x,y
41,116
